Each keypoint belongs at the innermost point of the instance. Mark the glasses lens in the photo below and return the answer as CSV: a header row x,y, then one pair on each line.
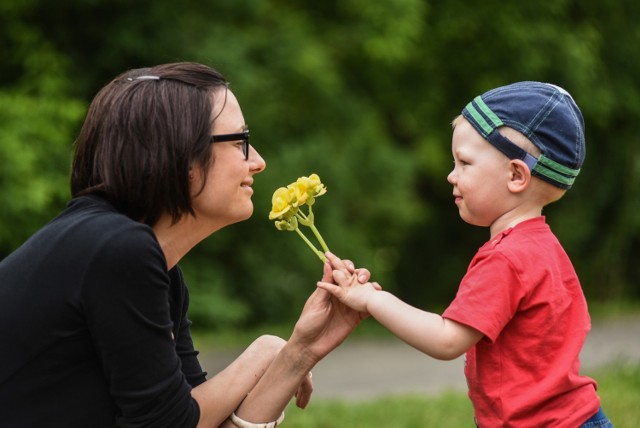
x,y
246,144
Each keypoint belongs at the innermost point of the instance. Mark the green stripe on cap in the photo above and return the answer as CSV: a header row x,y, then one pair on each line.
x,y
558,167
486,128
497,122
556,172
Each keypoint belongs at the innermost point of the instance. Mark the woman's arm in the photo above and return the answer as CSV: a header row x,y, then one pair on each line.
x,y
219,396
257,387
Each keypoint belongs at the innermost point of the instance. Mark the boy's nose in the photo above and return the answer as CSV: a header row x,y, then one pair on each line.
x,y
451,177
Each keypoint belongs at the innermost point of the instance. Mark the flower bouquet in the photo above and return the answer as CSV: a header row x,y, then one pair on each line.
x,y
287,209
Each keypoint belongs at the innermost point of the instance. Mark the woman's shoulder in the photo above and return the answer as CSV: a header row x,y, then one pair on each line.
x,y
92,221
113,250
93,211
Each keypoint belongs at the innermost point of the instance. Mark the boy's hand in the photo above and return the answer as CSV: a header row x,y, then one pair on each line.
x,y
363,273
347,288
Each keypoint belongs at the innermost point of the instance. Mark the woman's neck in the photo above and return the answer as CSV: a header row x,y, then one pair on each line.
x,y
177,239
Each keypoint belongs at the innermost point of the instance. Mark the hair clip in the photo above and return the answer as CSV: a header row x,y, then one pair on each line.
x,y
146,77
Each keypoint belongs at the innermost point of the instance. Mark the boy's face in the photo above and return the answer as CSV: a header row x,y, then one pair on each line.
x,y
479,177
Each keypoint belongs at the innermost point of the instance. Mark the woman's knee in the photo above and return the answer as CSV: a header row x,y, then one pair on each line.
x,y
268,344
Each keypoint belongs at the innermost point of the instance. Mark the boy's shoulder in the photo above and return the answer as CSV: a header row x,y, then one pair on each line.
x,y
528,246
532,236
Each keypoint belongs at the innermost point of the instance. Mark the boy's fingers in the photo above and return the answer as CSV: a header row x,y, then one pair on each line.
x,y
349,265
363,275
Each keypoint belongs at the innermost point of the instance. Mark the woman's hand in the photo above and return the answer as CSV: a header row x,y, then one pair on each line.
x,y
325,322
303,394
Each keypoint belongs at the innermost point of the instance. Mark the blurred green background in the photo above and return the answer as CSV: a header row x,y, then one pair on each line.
x,y
361,93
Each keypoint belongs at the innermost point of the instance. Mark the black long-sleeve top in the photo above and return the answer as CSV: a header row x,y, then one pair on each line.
x,y
93,328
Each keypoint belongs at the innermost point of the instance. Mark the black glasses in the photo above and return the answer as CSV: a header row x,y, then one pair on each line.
x,y
241,136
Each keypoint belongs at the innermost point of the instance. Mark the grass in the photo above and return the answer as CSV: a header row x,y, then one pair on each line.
x,y
619,390
447,410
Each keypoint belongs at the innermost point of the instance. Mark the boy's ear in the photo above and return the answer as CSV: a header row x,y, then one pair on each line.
x,y
519,177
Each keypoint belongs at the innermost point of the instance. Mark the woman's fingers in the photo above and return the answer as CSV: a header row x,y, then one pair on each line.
x,y
303,394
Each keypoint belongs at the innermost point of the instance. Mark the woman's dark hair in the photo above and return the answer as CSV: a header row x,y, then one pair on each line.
x,y
143,132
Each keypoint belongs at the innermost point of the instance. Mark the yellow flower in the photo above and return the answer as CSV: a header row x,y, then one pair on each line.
x,y
298,192
319,189
281,203
308,188
286,205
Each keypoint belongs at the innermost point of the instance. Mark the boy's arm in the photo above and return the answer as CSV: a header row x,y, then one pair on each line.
x,y
437,337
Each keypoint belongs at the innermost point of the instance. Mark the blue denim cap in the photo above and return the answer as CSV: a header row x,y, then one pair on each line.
x,y
546,114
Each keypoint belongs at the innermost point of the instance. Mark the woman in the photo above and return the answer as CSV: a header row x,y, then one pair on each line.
x,y
93,307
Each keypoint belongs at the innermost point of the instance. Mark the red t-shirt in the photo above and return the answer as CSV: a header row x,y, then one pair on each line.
x,y
522,293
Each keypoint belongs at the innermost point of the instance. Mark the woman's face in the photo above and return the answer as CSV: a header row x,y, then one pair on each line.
x,y
226,196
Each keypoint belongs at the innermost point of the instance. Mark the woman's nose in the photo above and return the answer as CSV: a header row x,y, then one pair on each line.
x,y
258,164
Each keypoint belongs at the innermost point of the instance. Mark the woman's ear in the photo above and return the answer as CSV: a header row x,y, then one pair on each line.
x,y
519,176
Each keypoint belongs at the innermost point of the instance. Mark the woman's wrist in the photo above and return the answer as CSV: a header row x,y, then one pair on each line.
x,y
298,355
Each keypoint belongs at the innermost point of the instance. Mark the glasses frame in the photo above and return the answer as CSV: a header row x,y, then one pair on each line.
x,y
240,136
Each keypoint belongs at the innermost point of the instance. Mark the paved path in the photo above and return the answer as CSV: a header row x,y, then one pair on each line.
x,y
364,369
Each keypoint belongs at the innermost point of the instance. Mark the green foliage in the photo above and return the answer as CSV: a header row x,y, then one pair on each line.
x,y
361,93
34,152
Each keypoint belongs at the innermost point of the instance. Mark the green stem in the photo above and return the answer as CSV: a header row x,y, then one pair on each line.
x,y
315,231
319,237
303,219
313,248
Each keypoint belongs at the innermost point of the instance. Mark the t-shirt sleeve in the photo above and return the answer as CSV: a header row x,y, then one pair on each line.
x,y
488,296
126,304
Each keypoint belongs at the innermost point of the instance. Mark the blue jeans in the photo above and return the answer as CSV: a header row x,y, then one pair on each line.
x,y
599,420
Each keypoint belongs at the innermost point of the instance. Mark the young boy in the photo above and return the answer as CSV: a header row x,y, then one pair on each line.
x,y
519,314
